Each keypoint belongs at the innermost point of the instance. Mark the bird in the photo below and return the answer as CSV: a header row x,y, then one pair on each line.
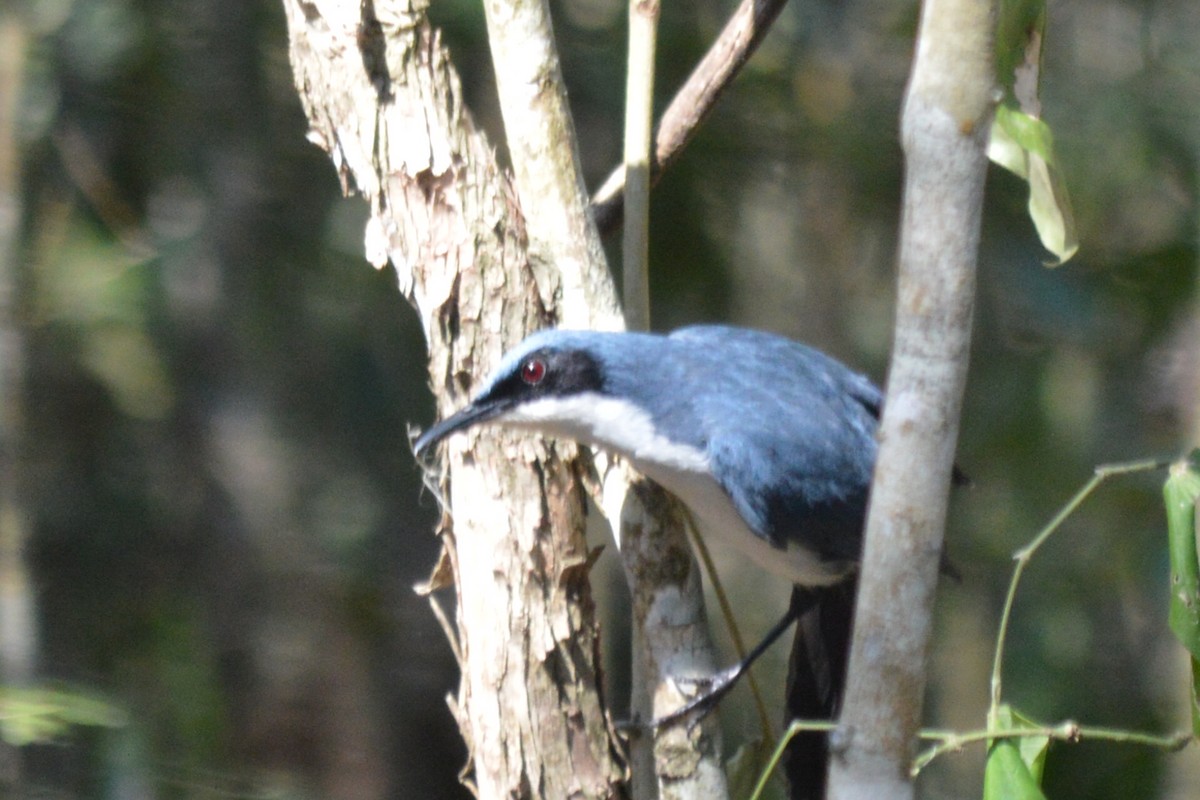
x,y
769,443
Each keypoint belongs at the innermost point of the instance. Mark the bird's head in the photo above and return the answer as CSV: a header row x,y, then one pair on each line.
x,y
534,386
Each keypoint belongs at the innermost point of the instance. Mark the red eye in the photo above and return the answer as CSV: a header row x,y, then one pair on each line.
x,y
533,370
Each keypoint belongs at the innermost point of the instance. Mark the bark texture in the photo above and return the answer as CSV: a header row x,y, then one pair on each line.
x,y
384,101
671,642
671,762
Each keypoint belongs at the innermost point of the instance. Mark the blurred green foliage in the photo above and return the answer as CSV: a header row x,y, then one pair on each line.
x,y
225,518
30,716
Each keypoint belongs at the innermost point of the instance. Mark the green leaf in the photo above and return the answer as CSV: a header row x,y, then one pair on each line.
x,y
1028,134
1024,146
1004,149
1007,776
1020,140
1015,765
1033,748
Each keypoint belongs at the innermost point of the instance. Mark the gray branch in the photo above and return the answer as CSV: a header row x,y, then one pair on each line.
x,y
946,118
564,247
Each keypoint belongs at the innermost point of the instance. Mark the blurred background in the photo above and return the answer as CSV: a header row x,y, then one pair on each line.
x,y
205,390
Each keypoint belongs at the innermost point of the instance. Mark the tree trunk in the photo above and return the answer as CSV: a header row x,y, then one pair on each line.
x,y
383,100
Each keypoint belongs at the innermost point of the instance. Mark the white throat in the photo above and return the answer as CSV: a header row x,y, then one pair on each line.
x,y
609,422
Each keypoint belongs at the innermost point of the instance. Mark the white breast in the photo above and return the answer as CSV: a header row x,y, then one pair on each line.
x,y
622,427
716,517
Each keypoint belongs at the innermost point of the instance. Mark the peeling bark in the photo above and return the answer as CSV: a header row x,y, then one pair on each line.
x,y
384,101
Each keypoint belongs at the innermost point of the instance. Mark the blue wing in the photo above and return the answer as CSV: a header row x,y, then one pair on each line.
x,y
804,482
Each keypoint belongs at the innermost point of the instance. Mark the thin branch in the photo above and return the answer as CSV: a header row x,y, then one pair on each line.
x,y
712,76
1067,731
735,633
670,640
639,116
797,726
951,742
1023,556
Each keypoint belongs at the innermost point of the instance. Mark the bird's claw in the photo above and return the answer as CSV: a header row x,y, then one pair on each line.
x,y
706,692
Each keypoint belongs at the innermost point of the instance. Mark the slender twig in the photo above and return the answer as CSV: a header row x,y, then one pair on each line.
x,y
1023,556
639,118
1068,731
796,727
443,620
691,105
950,741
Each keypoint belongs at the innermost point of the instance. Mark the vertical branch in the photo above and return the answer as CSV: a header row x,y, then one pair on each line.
x,y
545,154
946,117
683,760
641,546
639,118
670,632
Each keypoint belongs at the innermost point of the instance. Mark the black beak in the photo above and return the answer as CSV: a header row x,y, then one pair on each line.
x,y
473,414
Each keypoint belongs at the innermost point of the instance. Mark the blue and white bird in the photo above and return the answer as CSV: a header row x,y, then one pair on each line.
x,y
769,443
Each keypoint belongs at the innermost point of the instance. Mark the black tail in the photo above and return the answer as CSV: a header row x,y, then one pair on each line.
x,y
816,679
